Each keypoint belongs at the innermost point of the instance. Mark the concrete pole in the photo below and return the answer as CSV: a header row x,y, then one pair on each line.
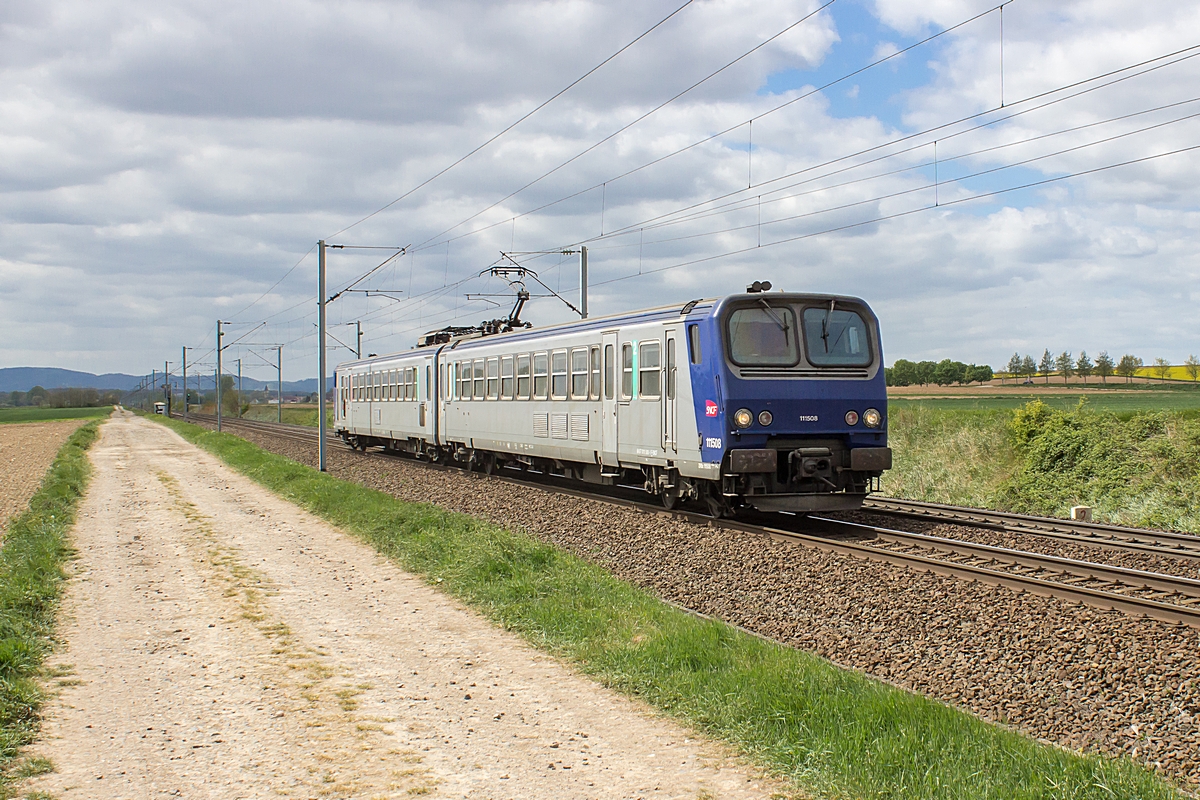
x,y
279,379
218,375
167,384
183,351
240,395
321,355
150,390
583,283
358,346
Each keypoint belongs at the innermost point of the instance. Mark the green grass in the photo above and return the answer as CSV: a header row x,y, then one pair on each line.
x,y
301,415
1129,402
31,575
829,731
32,414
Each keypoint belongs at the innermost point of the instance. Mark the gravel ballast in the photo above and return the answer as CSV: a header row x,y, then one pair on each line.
x,y
1075,676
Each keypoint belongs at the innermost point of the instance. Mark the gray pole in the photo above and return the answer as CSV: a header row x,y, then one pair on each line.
x,y
239,388
183,350
321,355
167,385
583,283
358,348
279,378
218,375
150,392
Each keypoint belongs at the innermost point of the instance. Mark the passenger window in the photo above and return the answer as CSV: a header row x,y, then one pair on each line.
x,y
541,375
694,343
522,377
609,372
427,381
649,364
558,375
670,369
594,389
478,394
506,378
464,380
579,373
493,378
626,371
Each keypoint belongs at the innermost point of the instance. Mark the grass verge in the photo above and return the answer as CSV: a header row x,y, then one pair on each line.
x,y
31,576
831,732
31,414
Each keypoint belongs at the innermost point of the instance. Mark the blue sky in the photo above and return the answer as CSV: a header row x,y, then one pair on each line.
x,y
167,164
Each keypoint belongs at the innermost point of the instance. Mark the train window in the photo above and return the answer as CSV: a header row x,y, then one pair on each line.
x,y
649,364
541,372
558,374
523,377
464,380
394,393
410,385
835,337
506,378
579,373
694,343
763,336
595,383
493,378
670,369
427,381
478,393
609,372
626,371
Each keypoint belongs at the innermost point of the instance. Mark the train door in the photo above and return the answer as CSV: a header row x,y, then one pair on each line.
x,y
670,432
440,393
425,409
608,403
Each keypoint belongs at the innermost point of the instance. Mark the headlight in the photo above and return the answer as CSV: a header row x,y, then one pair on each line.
x,y
743,418
851,417
872,418
764,418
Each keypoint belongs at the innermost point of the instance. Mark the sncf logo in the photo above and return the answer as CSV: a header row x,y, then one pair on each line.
x,y
710,408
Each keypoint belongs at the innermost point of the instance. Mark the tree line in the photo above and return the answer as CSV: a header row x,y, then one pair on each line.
x,y
64,398
943,373
1104,367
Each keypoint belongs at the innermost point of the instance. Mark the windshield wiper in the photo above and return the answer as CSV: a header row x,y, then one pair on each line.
x,y
783,326
825,324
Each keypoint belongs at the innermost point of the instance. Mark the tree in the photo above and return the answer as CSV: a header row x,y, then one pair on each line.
x,y
981,372
925,370
1014,367
948,372
1104,365
902,373
1065,365
1084,366
1028,367
1128,366
1046,365
1162,368
1192,365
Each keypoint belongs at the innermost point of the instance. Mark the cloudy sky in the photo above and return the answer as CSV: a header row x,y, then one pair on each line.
x,y
167,164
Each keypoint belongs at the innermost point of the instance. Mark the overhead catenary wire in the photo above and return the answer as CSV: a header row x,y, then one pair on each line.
x,y
513,125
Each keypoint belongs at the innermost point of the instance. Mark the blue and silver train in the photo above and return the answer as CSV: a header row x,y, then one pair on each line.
x,y
766,399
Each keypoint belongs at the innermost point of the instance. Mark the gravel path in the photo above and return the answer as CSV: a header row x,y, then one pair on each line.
x,y
226,644
27,449
1075,676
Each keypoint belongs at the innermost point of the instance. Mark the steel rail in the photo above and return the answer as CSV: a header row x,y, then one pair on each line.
x,y
1094,597
1113,537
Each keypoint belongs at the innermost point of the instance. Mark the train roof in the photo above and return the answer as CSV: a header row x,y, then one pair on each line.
x,y
595,323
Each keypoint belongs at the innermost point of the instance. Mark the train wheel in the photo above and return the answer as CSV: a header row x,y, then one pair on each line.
x,y
718,506
670,499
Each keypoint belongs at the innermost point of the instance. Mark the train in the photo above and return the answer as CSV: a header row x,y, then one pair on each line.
x,y
768,400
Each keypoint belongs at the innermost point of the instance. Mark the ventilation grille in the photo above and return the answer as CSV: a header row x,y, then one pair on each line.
x,y
579,427
541,425
558,426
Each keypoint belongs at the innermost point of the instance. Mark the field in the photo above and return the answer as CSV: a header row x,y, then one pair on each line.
x,y
32,414
1134,457
293,414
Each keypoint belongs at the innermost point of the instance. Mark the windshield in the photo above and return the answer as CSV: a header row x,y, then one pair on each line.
x,y
763,336
835,338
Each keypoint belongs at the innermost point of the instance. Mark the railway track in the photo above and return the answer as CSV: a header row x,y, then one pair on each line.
x,y
1138,593
1179,545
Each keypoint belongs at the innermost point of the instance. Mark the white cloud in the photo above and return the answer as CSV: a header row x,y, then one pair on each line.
x,y
164,164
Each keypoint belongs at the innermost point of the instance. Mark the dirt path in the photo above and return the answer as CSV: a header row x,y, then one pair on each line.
x,y
222,643
27,449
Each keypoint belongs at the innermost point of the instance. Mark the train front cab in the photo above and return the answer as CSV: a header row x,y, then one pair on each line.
x,y
793,407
